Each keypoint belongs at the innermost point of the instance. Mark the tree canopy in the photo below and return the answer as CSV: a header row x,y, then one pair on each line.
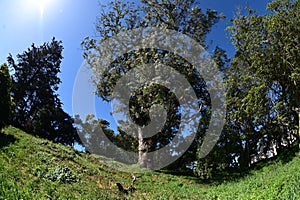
x,y
263,80
184,17
38,108
262,95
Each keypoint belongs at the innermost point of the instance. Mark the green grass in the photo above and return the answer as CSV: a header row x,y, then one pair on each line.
x,y
33,168
278,178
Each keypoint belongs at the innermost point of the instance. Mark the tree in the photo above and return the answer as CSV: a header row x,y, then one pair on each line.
x,y
6,103
263,80
89,130
182,16
35,83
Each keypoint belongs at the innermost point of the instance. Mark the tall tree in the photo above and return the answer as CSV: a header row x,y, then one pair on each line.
x,y
6,104
35,84
182,16
263,80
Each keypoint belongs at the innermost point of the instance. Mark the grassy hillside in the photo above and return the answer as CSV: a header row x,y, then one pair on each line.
x,y
33,168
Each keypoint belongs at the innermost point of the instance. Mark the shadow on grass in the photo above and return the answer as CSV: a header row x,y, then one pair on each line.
x,y
6,140
185,173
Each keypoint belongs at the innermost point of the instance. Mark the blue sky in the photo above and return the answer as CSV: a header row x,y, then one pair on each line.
x,y
23,22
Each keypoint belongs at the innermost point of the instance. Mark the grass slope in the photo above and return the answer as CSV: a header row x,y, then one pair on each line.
x,y
33,168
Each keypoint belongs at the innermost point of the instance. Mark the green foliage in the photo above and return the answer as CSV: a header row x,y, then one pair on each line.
x,y
203,169
6,103
34,89
185,17
263,82
62,174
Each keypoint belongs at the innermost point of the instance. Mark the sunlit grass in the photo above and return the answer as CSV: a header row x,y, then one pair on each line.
x,y
33,168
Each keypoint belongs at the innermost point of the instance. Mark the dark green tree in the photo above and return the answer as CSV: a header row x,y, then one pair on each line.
x,y
263,81
35,84
6,103
182,16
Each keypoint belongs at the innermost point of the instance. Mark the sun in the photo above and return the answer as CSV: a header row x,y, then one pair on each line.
x,y
39,6
42,4
28,10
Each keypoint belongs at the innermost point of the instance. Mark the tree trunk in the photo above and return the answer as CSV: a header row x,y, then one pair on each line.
x,y
298,111
299,129
144,146
245,156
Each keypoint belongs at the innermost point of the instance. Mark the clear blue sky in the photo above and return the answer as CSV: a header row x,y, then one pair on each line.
x,y
23,22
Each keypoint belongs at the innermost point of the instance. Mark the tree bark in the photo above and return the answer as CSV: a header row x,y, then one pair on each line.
x,y
297,109
144,159
245,156
298,112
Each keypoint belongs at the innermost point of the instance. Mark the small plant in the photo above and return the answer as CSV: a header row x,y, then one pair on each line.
x,y
61,174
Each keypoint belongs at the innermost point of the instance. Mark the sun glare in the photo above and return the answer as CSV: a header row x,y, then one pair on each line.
x,y
39,6
42,7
